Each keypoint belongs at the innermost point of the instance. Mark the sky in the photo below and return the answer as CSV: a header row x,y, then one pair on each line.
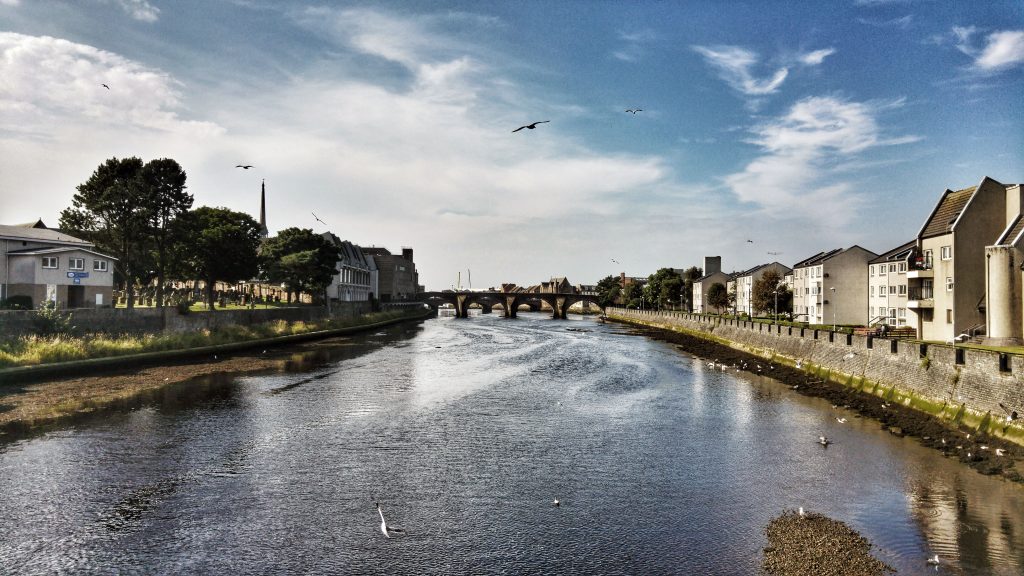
x,y
799,126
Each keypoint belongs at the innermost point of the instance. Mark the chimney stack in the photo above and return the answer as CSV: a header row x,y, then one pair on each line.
x,y
712,264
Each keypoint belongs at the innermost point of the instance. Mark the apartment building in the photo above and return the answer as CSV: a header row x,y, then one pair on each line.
x,y
832,287
947,275
397,278
888,286
356,280
742,285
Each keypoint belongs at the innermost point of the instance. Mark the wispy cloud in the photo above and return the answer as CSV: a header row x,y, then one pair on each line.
x,y
803,154
816,57
1003,49
633,45
902,22
10,2
734,65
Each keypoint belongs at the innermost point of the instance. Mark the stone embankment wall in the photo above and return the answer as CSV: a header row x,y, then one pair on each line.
x,y
154,320
950,382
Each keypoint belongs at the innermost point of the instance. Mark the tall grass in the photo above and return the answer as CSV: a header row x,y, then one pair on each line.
x,y
31,350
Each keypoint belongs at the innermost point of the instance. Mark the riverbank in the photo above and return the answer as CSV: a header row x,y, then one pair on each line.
x,y
118,381
954,440
815,545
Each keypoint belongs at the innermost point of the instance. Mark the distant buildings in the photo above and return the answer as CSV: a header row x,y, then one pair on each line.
x,y
397,276
712,275
50,266
887,286
356,280
742,285
832,287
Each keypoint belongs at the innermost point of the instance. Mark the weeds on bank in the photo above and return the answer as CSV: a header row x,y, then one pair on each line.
x,y
31,350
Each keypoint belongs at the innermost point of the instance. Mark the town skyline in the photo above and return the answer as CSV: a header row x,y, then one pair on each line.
x,y
394,123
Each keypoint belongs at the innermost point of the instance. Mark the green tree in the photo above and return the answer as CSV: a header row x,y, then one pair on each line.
x,y
108,209
608,290
301,260
718,296
689,275
217,245
633,294
663,288
164,199
763,293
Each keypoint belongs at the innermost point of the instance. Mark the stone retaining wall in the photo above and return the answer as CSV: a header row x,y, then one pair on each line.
x,y
940,379
153,320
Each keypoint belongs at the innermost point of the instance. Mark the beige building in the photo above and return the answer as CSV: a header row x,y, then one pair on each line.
x,y
947,281
712,275
887,286
743,285
50,266
832,287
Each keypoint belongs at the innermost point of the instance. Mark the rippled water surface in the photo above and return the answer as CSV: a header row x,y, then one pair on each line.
x,y
465,431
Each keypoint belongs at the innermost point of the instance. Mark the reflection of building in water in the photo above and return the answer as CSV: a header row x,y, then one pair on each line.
x,y
975,523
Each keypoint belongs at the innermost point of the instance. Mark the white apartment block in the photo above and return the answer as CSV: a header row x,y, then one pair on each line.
x,y
743,285
832,287
887,286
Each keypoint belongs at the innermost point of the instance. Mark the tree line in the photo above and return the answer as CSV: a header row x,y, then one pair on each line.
x,y
670,289
142,214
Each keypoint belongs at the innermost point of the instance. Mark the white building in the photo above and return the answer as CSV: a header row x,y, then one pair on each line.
x,y
743,284
887,286
832,287
356,280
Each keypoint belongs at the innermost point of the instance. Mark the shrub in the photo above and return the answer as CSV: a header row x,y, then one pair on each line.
x,y
49,320
17,302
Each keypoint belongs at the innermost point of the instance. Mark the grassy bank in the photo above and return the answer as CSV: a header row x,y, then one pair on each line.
x,y
36,350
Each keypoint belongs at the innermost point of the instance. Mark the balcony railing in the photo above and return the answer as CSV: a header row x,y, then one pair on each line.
x,y
920,293
921,263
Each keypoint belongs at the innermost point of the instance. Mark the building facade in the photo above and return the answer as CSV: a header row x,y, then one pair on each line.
x,y
832,287
743,285
712,275
357,276
888,286
397,278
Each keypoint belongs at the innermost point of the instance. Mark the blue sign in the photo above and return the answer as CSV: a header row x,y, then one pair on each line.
x,y
78,280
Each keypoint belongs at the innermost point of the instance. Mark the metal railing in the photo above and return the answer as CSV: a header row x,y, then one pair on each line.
x,y
920,293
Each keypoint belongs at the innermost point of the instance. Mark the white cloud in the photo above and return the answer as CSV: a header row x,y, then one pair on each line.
x,y
1003,50
10,2
903,22
816,57
140,10
50,83
734,66
633,45
804,152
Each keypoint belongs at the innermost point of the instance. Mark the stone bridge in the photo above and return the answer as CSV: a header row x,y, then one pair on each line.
x,y
507,301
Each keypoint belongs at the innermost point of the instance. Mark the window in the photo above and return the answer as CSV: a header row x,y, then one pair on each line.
x,y
872,270
892,289
881,269
902,312
949,283
882,290
49,261
872,290
903,289
76,263
892,268
872,313
946,253
903,266
99,265
949,316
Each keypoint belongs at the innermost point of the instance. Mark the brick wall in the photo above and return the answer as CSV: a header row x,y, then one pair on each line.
x,y
929,372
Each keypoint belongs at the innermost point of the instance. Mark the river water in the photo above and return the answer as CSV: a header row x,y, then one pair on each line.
x,y
466,431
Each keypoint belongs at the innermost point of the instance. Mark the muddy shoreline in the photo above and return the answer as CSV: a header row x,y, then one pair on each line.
x,y
966,445
811,544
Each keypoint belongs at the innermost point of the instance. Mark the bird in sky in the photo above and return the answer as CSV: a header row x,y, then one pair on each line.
x,y
318,219
616,261
774,253
531,126
635,110
105,86
749,240
244,166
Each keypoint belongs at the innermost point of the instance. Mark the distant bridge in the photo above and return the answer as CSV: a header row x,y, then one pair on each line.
x,y
507,301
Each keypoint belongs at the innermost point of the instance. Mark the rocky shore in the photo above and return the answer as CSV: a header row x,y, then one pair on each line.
x,y
815,545
979,451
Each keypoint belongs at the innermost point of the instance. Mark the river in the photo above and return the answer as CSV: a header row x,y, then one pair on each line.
x,y
465,431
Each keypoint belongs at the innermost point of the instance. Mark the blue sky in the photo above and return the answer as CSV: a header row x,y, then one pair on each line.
x,y
803,127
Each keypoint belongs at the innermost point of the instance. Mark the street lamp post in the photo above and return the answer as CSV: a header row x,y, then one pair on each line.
x,y
776,304
833,289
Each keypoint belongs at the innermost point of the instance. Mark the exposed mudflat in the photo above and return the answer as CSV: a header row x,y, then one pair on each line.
x,y
815,545
976,450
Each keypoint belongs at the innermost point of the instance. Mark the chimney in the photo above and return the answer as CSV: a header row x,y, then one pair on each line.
x,y
622,279
712,264
407,253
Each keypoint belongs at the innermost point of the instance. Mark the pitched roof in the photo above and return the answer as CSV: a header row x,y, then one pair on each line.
x,y
39,235
1009,237
755,269
57,250
946,212
900,252
706,276
817,258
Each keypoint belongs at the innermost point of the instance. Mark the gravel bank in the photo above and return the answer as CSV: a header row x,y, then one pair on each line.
x,y
815,545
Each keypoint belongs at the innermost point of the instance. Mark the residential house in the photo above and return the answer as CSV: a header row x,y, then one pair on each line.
x,y
51,266
712,275
832,287
947,275
356,280
887,286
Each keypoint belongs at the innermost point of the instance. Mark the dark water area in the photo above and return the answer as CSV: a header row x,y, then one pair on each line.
x,y
465,431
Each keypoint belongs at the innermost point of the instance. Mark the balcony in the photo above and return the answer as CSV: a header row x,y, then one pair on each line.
x,y
920,267
920,297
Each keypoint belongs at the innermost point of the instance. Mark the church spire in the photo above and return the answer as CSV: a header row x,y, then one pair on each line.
x,y
263,209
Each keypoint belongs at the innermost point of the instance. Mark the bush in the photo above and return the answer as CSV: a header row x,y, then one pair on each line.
x,y
49,320
183,307
17,303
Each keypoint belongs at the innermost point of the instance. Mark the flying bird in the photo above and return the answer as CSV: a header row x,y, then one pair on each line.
x,y
749,240
244,166
318,219
531,126
384,528
635,110
105,86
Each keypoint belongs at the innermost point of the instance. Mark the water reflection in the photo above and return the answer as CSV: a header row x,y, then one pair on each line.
x,y
465,431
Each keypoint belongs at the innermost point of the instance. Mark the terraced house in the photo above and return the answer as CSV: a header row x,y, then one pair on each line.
x,y
47,265
887,286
